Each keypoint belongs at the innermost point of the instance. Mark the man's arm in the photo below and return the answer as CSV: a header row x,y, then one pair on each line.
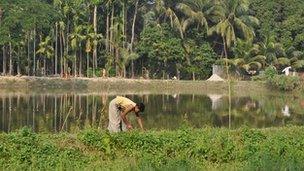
x,y
124,118
139,121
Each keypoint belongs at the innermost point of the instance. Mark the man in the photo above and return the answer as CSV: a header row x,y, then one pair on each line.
x,y
118,110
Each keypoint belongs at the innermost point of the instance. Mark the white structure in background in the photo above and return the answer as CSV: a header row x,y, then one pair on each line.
x,y
286,70
216,70
216,100
285,111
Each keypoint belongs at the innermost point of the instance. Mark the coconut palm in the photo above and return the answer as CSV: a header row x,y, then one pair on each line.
x,y
197,12
234,21
271,50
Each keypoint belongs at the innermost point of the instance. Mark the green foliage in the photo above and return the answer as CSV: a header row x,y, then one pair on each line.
x,y
202,59
281,19
24,149
98,72
284,83
183,149
159,46
268,74
169,37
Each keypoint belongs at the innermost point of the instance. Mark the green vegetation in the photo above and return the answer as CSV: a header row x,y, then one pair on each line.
x,y
285,83
184,149
278,82
149,38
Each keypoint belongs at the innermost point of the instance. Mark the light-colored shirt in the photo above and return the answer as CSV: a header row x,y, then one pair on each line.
x,y
123,102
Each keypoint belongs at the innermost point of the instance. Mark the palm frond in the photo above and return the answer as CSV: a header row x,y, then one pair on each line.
x,y
283,61
298,64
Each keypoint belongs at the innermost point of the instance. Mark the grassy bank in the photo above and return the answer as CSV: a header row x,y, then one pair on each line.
x,y
184,149
83,85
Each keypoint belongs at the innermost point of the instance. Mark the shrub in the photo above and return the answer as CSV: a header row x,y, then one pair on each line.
x,y
284,83
98,72
269,73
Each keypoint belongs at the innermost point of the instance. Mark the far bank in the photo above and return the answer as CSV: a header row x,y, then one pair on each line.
x,y
57,85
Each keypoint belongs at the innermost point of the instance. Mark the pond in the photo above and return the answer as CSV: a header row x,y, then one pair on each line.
x,y
53,112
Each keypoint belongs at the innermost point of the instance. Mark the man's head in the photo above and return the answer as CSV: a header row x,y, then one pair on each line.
x,y
140,107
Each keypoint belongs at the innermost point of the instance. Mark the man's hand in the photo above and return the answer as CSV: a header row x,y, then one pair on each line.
x,y
129,127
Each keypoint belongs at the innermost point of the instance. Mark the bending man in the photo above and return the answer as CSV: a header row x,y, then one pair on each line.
x,y
119,108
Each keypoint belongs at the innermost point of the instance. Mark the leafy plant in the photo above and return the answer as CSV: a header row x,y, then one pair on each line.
x,y
284,83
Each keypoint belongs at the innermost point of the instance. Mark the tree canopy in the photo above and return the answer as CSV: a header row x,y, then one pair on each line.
x,y
162,38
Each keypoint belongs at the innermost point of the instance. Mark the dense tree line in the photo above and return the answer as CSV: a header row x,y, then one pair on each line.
x,y
150,38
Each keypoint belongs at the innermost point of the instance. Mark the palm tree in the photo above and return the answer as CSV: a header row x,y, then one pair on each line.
x,y
46,49
76,41
232,16
196,11
116,42
271,50
92,40
127,55
246,57
89,32
234,21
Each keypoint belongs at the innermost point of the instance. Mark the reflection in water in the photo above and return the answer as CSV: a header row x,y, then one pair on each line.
x,y
216,100
72,112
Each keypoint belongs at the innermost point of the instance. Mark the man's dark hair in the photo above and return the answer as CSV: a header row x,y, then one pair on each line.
x,y
141,107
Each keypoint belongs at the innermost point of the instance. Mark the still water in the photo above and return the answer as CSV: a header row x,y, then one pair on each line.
x,y
72,112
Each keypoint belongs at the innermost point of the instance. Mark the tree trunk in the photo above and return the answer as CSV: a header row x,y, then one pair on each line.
x,y
44,66
75,63
124,35
95,45
107,32
67,69
34,39
193,76
18,62
80,61
88,64
124,71
229,81
111,31
56,49
28,54
10,59
133,35
4,60
116,61
177,72
44,58
61,40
